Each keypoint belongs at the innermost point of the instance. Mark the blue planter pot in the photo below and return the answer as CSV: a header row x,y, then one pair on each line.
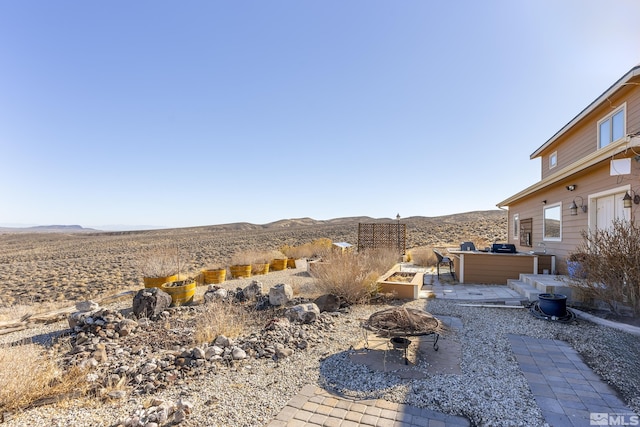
x,y
553,304
575,270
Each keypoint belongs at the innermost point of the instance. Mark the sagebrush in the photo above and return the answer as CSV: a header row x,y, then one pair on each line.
x,y
610,263
352,276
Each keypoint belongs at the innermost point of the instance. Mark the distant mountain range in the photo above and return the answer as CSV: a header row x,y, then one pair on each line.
x,y
246,226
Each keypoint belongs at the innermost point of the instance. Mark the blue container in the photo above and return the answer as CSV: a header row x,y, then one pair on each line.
x,y
554,305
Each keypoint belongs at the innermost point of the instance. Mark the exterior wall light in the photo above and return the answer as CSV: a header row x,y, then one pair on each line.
x,y
627,199
573,209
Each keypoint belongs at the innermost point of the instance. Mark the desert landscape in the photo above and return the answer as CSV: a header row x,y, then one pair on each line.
x,y
233,359
63,266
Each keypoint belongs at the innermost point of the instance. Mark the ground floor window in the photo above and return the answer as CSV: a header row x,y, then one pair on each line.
x,y
552,222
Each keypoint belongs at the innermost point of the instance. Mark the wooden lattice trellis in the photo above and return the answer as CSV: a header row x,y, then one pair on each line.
x,y
382,235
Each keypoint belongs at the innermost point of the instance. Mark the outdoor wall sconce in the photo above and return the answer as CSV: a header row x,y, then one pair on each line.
x,y
544,202
572,187
626,200
573,209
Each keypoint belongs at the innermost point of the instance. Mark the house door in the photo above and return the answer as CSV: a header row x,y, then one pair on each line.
x,y
608,209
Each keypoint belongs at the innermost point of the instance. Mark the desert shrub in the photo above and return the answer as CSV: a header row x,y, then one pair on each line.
x,y
316,249
159,262
249,257
352,276
28,374
610,263
423,256
224,317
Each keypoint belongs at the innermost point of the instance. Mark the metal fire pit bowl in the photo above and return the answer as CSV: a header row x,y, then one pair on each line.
x,y
401,322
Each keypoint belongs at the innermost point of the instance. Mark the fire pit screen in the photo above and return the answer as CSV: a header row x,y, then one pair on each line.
x,y
401,322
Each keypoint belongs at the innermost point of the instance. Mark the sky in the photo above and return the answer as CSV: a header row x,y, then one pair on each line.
x,y
176,114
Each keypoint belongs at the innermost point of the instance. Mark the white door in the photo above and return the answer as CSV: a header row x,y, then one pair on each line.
x,y
608,209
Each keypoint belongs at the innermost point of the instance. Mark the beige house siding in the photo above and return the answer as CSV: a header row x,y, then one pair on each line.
x,y
596,180
581,140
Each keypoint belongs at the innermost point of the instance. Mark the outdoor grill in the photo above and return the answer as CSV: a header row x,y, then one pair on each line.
x,y
398,323
503,248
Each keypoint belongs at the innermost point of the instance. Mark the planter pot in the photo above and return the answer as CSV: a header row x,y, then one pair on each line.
x,y
291,263
181,291
260,269
156,282
575,270
238,271
279,264
214,276
553,304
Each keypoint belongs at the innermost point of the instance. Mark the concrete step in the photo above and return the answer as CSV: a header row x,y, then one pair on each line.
x,y
547,284
528,291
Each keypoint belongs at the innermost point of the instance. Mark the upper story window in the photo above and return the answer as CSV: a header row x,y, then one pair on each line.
x,y
611,128
553,160
552,222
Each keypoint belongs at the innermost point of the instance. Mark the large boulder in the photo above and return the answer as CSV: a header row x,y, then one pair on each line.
x,y
304,313
280,294
150,303
328,302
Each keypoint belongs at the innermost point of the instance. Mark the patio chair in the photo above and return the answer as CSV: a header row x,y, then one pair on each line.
x,y
444,260
467,246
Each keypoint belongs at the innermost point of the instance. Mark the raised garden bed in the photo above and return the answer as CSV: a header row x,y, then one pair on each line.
x,y
403,284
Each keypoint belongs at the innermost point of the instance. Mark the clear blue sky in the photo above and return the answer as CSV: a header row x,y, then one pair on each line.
x,y
192,113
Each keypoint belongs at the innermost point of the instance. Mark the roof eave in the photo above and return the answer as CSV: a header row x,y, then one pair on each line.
x,y
635,71
586,162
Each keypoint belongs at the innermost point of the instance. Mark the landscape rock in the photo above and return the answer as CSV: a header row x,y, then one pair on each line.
x,y
150,303
280,294
252,291
304,313
328,302
215,293
87,306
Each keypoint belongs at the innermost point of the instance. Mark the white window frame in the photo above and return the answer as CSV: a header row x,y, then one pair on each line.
x,y
609,118
544,231
516,227
553,160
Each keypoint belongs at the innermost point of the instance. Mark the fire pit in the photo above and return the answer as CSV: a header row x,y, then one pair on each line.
x,y
402,322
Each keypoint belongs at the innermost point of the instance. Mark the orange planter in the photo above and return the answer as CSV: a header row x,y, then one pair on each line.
x,y
181,291
157,282
214,276
238,271
278,264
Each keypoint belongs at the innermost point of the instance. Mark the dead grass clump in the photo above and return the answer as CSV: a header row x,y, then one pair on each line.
x,y
352,276
318,248
250,257
28,375
225,318
423,256
159,262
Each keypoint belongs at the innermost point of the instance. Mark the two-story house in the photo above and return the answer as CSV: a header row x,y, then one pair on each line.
x,y
590,175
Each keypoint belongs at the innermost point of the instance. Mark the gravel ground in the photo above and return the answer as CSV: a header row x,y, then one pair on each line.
x,y
490,391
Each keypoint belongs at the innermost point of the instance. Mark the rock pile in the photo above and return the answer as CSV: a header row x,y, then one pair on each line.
x,y
143,356
159,412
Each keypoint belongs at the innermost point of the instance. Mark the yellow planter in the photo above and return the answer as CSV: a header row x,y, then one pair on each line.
x,y
214,276
260,269
156,282
278,264
291,263
181,291
238,271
